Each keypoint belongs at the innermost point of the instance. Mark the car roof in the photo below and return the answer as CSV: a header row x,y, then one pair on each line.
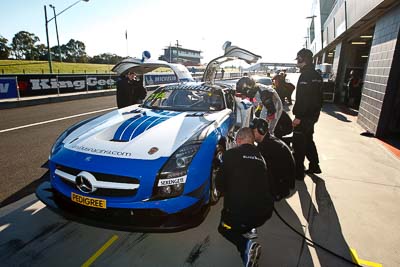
x,y
142,66
201,86
257,77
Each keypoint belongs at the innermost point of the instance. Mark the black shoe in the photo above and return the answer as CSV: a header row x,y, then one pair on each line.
x,y
313,169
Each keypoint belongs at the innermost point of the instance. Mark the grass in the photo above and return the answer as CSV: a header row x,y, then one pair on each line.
x,y
39,67
42,67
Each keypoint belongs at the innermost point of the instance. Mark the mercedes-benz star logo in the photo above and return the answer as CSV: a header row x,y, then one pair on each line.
x,y
85,182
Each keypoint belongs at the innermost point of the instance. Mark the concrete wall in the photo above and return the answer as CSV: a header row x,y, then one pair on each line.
x,y
344,15
356,9
382,76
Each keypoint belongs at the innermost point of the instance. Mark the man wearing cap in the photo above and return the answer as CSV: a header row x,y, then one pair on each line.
x,y
248,203
264,96
306,111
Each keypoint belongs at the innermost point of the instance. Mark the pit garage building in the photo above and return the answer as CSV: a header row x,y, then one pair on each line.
x,y
362,35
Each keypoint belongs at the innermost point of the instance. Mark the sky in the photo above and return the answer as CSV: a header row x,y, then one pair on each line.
x,y
275,30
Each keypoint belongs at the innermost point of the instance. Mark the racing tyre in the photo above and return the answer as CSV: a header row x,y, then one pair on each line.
x,y
214,193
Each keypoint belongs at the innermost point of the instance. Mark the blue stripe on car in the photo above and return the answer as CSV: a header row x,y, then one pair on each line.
x,y
126,133
123,126
134,126
145,125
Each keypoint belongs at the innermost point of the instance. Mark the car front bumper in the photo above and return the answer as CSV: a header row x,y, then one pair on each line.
x,y
144,220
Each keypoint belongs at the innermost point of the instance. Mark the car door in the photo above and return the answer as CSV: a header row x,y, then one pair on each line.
x,y
230,53
243,110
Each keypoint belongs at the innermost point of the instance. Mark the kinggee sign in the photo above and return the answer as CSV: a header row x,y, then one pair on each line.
x,y
42,84
76,84
8,87
45,84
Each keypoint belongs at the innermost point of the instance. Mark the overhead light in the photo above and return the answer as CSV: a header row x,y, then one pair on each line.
x,y
330,55
358,43
365,56
366,36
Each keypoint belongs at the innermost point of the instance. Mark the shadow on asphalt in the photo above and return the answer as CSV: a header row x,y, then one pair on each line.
x,y
339,112
25,191
302,253
324,224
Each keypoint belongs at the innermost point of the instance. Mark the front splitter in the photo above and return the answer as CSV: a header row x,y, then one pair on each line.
x,y
122,219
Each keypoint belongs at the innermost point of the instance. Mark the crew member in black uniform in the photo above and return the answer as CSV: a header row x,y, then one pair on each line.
x,y
306,111
130,90
248,203
278,156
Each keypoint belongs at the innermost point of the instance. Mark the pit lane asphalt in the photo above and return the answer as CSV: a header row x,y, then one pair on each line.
x,y
353,204
25,150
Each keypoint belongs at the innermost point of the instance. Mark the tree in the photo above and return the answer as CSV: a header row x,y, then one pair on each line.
x,y
55,53
105,58
42,53
75,51
23,45
4,48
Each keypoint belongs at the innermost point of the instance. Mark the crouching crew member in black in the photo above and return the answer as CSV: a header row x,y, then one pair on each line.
x,y
281,167
248,203
306,110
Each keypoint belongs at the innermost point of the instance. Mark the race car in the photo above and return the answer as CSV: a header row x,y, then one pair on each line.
x,y
150,166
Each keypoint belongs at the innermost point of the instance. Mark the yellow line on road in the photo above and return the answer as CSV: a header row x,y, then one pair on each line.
x,y
100,251
361,262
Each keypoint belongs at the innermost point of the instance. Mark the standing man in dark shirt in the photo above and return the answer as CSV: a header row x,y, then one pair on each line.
x,y
248,202
306,111
130,90
139,92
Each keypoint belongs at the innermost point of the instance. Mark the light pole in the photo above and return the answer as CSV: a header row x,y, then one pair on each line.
x,y
58,40
47,29
177,51
47,36
306,37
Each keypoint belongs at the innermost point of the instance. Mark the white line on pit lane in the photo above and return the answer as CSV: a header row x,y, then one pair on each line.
x,y
59,119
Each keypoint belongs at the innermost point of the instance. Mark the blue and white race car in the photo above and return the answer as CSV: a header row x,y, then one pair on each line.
x,y
150,166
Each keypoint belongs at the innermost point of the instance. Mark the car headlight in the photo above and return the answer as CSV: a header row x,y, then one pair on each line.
x,y
58,144
171,179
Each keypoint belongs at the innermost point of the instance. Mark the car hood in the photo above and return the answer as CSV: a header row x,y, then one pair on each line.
x,y
231,53
139,133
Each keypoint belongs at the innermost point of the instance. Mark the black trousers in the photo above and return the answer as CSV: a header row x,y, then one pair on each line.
x,y
234,234
304,146
233,227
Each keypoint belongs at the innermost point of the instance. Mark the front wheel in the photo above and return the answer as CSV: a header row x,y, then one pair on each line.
x,y
214,193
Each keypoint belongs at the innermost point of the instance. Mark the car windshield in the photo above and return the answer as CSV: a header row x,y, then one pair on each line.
x,y
265,81
185,99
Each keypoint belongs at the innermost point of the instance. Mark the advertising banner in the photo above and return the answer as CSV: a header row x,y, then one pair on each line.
x,y
47,84
44,84
8,87
156,79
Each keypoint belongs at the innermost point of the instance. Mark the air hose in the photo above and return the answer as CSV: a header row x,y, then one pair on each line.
x,y
313,242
